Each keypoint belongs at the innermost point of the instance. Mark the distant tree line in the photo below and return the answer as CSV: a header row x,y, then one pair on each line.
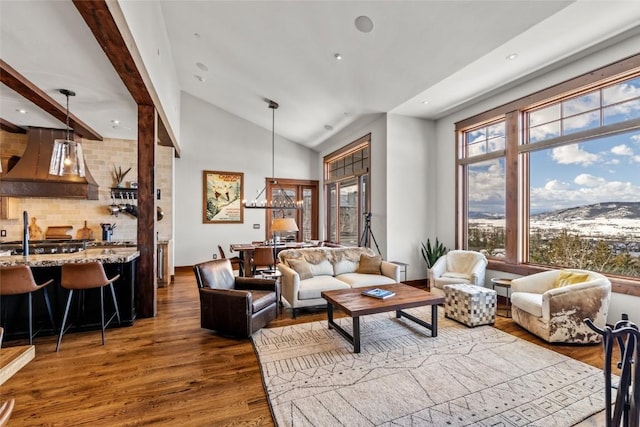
x,y
563,249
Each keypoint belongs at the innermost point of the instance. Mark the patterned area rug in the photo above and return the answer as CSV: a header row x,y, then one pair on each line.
x,y
403,377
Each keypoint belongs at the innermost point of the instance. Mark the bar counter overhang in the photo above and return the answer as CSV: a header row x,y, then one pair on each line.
x,y
14,312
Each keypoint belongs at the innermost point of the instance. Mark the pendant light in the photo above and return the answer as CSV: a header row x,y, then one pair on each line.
x,y
66,157
284,201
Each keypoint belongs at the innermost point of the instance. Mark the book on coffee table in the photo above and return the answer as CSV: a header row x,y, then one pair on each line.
x,y
378,293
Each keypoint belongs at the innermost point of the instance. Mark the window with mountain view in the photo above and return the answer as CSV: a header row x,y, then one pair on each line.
x,y
584,205
574,196
486,205
483,152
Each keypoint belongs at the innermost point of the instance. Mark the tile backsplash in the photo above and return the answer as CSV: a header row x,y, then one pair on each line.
x,y
100,158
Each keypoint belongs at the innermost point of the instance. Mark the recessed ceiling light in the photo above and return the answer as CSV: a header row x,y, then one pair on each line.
x,y
202,66
337,56
425,102
364,24
115,122
21,111
511,56
199,78
328,127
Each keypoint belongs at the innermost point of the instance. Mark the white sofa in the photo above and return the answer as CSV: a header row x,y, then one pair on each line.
x,y
457,267
556,314
328,269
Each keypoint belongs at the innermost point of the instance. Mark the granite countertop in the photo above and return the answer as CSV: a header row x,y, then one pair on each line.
x,y
105,256
116,243
111,243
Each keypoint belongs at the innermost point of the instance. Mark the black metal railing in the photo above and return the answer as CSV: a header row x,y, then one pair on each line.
x,y
626,408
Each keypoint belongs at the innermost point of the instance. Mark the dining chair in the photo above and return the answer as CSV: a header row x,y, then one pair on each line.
x,y
236,262
262,259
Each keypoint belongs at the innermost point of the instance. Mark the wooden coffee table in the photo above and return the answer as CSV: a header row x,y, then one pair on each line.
x,y
353,303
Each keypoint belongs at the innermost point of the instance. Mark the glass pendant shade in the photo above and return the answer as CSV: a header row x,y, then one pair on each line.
x,y
66,158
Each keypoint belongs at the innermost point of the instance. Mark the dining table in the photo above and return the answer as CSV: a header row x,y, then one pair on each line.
x,y
245,250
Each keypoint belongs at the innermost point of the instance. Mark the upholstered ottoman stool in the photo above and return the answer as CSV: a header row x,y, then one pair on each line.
x,y
470,304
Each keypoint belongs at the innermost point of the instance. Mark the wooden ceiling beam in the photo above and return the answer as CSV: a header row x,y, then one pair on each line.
x,y
120,49
97,16
10,127
21,85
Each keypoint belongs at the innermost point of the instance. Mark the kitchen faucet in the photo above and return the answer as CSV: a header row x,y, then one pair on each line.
x,y
25,235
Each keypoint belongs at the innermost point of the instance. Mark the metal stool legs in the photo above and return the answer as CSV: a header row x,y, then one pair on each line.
x,y
84,276
115,302
103,324
64,319
18,280
48,304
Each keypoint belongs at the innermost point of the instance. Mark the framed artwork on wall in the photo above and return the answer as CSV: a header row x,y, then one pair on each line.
x,y
222,194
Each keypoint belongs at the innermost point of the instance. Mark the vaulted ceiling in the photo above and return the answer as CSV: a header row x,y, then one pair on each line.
x,y
234,54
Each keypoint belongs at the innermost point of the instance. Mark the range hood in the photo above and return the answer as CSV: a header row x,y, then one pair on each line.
x,y
30,175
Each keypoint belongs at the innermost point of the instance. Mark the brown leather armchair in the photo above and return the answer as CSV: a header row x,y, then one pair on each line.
x,y
236,306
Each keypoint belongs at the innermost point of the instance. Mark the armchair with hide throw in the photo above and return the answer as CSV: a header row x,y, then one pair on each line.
x,y
236,306
553,304
456,267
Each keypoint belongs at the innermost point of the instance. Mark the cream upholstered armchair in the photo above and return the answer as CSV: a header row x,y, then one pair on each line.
x,y
457,266
555,311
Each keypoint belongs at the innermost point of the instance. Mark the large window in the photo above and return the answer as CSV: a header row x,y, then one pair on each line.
x,y
306,218
584,205
483,152
551,180
346,175
486,205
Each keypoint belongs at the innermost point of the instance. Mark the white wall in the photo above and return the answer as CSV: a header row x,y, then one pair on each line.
x,y
445,154
146,23
213,139
410,215
402,176
624,304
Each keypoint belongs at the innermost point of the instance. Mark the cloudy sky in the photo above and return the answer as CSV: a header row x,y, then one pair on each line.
x,y
600,170
603,170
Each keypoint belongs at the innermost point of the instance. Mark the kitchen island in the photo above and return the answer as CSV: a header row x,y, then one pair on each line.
x,y
86,316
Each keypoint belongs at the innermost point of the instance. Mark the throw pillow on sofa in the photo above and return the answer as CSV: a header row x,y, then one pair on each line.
x,y
369,264
301,267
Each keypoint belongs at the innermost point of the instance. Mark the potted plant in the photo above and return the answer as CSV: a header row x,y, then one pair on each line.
x,y
119,174
431,253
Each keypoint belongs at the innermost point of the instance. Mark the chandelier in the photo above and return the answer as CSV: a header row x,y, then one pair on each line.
x,y
282,200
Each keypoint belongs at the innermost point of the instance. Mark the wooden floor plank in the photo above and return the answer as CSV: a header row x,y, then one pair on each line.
x,y
164,371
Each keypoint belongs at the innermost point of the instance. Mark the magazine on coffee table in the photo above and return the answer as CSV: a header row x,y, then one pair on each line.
x,y
378,293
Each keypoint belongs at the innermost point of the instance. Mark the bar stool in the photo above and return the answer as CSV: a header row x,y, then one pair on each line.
x,y
18,280
81,277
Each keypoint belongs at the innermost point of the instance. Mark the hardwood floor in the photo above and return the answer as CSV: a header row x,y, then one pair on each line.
x,y
163,371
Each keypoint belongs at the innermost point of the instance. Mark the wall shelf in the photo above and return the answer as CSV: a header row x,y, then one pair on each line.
x,y
128,193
